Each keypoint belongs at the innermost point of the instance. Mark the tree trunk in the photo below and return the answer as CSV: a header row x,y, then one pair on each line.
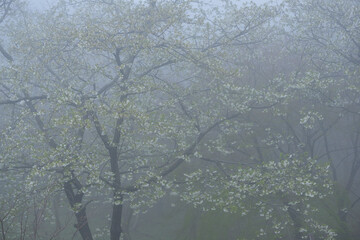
x,y
116,229
82,224
297,223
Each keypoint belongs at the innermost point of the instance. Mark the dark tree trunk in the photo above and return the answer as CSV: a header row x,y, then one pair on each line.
x,y
116,229
111,146
75,199
83,225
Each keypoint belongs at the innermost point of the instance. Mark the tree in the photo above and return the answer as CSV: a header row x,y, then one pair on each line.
x,y
111,96
330,32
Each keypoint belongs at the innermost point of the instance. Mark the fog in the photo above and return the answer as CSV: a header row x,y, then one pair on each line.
x,y
179,120
45,4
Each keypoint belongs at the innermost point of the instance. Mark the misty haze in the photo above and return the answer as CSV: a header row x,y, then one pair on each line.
x,y
179,120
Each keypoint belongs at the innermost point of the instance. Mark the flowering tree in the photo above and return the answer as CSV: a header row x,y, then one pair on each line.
x,y
117,109
117,102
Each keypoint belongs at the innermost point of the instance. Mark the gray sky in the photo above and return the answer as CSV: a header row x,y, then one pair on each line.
x,y
43,4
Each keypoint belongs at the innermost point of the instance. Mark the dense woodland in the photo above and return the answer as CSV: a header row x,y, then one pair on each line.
x,y
180,119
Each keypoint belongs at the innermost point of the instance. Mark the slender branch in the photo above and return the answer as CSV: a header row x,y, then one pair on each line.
x,y
23,99
189,151
6,54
